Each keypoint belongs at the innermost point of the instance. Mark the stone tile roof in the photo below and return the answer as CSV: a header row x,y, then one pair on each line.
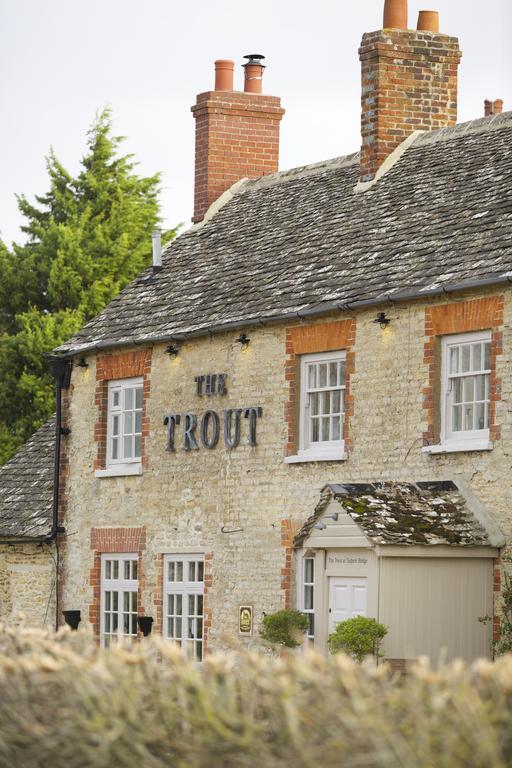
x,y
26,487
302,241
403,513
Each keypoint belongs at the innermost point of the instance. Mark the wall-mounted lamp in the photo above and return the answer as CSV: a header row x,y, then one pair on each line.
x,y
244,340
72,619
382,320
334,516
82,363
320,526
145,624
172,350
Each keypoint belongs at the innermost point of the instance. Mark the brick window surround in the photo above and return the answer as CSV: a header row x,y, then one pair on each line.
x,y
125,365
448,319
158,596
309,339
113,541
289,529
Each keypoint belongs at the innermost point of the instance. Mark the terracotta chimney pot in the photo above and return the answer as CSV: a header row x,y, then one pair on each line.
x,y
395,14
254,73
428,21
498,106
224,75
488,107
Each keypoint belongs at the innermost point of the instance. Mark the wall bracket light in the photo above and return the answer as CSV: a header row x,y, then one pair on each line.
x,y
244,340
145,624
72,619
82,363
172,350
382,320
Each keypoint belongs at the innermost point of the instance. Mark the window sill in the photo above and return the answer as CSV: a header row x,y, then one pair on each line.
x,y
308,456
120,470
460,447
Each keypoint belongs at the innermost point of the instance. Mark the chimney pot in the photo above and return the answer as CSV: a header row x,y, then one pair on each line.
x,y
395,14
428,21
254,73
498,106
224,75
493,107
157,250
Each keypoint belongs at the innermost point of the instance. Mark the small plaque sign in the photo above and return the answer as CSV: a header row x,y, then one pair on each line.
x,y
245,620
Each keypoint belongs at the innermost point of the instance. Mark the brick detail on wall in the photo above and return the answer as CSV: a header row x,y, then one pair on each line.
x,y
237,137
289,529
462,317
124,365
409,83
114,541
61,541
158,597
308,339
497,581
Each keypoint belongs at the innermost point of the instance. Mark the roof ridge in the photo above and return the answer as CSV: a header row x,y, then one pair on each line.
x,y
301,172
470,127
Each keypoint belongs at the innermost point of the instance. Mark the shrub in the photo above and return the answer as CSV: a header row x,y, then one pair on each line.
x,y
286,628
358,637
65,703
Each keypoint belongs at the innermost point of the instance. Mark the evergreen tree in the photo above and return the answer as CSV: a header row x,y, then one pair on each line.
x,y
87,238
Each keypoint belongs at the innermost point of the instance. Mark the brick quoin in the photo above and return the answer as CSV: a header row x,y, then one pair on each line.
x,y
114,541
237,137
289,530
124,365
308,339
409,83
463,317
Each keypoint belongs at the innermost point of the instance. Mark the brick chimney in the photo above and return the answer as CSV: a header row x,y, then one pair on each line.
x,y
237,133
409,83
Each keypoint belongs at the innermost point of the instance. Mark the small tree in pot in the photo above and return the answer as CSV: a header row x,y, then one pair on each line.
x,y
358,637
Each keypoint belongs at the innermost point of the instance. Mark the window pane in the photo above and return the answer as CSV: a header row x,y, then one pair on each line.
x,y
126,624
311,628
199,628
172,571
115,425
341,368
126,601
457,418
191,605
107,622
128,423
315,430
480,416
107,569
134,569
128,399
311,376
179,570
477,357
200,571
115,569
480,388
454,359
192,571
115,622
107,601
336,401
179,605
314,403
115,449
469,389
457,390
199,651
115,398
309,565
333,374
325,430
336,428
199,605
127,444
138,447
138,397
487,357
325,402
468,417
322,375
177,625
138,421
126,569
308,598
134,602
465,352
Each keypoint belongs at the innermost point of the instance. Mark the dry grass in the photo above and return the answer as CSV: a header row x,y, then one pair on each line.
x,y
65,704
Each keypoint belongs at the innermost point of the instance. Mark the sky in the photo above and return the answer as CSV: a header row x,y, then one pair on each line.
x,y
63,60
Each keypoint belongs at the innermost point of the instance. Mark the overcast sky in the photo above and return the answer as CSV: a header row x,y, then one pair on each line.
x,y
62,60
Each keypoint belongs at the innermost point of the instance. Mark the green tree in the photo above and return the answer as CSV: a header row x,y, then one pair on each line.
x,y
86,239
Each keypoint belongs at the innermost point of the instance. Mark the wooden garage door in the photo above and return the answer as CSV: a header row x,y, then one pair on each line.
x,y
431,604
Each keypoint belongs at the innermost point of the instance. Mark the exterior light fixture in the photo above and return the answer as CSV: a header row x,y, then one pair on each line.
x,y
334,516
382,320
320,526
244,340
72,619
145,624
82,363
172,350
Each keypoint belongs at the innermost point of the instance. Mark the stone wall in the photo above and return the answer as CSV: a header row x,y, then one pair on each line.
x,y
232,504
27,585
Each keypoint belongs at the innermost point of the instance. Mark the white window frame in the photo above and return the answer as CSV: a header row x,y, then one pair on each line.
x,y
122,586
185,589
331,450
121,465
303,585
476,439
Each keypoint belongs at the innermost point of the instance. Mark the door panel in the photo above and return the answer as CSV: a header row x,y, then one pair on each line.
x,y
347,598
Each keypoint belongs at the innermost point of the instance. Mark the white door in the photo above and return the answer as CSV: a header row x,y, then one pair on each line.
x,y
347,598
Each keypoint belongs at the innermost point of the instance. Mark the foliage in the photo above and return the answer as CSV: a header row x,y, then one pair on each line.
x,y
284,628
86,239
359,637
67,704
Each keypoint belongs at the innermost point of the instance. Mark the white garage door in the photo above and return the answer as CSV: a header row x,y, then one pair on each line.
x,y
347,598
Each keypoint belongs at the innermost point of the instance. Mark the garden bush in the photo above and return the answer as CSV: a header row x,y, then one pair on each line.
x,y
359,637
66,704
284,628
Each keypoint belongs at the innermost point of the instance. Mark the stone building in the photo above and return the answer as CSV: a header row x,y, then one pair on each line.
x,y
304,402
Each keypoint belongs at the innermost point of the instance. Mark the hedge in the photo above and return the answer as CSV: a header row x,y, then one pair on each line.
x,y
66,704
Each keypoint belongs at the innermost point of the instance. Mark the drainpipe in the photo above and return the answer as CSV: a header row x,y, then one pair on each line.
x,y
61,371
